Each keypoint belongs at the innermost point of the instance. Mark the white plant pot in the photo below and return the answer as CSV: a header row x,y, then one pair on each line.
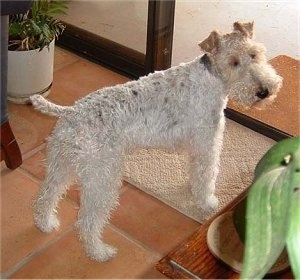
x,y
29,72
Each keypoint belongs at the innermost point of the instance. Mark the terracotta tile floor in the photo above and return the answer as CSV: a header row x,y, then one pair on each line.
x,y
142,228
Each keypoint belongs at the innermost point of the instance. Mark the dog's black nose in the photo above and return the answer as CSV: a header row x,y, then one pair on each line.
x,y
262,93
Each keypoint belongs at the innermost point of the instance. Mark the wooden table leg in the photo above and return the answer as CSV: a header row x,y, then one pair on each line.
x,y
10,151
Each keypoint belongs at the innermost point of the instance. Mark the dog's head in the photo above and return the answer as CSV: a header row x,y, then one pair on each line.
x,y
241,63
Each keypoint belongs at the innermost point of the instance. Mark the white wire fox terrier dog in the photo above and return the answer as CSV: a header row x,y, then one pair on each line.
x,y
179,108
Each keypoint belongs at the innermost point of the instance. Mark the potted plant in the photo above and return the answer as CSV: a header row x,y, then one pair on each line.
x,y
31,49
265,226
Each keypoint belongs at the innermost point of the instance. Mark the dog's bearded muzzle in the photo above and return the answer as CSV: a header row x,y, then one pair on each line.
x,y
267,77
270,84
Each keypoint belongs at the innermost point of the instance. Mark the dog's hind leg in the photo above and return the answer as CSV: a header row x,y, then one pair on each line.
x,y
58,179
100,178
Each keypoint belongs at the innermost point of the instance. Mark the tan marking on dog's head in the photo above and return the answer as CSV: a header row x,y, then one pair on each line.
x,y
245,28
211,43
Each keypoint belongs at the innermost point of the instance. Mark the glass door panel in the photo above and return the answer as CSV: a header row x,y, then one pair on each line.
x,y
123,22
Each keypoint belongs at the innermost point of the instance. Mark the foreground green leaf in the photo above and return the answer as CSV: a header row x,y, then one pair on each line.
x,y
266,221
293,236
273,211
276,156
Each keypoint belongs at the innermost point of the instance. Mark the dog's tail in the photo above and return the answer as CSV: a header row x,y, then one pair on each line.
x,y
49,108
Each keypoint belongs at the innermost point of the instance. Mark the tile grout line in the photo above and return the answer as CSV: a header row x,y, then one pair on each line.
x,y
66,65
133,240
32,152
65,52
29,175
26,260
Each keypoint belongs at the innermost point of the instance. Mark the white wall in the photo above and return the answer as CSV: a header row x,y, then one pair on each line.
x,y
276,25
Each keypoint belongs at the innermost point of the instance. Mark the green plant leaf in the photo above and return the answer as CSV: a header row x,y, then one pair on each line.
x,y
33,27
266,221
15,29
275,156
293,235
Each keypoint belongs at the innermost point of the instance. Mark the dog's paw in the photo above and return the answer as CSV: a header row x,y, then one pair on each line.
x,y
46,224
209,204
212,202
101,252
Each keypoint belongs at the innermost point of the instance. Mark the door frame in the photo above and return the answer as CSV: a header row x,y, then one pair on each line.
x,y
160,29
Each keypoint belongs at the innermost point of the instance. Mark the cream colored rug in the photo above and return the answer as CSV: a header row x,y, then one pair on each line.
x,y
165,175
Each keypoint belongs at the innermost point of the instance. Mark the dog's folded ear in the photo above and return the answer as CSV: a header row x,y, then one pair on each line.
x,y
211,43
245,28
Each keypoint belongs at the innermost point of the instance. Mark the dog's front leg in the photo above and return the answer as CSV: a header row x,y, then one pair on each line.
x,y
203,174
204,169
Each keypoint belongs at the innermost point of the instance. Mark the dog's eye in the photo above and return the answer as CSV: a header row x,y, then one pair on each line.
x,y
253,55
